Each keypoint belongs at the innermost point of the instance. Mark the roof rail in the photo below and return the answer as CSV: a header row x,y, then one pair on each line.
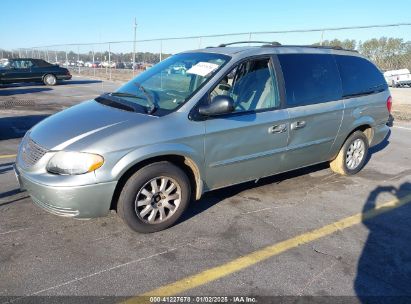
x,y
277,44
273,43
336,47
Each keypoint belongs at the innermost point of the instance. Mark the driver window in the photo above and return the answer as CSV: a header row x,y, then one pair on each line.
x,y
251,84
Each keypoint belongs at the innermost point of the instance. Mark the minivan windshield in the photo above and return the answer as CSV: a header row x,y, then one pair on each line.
x,y
171,82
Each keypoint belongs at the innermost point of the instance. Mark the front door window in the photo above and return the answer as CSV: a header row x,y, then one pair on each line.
x,y
251,85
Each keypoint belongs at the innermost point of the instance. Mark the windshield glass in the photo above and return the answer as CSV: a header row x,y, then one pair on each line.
x,y
171,82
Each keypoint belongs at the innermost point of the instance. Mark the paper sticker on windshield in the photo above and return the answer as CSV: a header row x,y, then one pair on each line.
x,y
203,68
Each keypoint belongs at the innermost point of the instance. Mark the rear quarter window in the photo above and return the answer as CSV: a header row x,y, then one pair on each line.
x,y
41,63
359,76
310,78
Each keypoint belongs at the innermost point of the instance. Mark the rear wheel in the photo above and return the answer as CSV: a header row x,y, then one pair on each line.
x,y
352,156
49,80
154,197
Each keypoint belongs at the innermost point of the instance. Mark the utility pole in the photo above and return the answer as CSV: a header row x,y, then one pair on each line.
x,y
161,50
134,43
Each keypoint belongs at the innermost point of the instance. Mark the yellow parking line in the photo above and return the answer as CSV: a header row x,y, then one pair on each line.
x,y
253,258
8,156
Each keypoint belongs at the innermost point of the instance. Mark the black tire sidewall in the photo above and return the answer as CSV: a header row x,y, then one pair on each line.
x,y
356,135
125,207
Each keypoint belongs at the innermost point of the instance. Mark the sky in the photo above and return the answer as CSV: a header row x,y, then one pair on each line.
x,y
29,23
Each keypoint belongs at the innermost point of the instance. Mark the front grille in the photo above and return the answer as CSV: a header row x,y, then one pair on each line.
x,y
32,152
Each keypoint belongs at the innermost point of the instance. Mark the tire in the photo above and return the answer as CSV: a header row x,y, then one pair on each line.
x,y
49,80
141,218
355,145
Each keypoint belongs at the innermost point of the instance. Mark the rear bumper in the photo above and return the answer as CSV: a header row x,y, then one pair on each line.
x,y
380,133
78,202
64,77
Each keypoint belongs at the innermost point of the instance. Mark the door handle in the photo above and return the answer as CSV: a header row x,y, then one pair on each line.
x,y
298,125
277,128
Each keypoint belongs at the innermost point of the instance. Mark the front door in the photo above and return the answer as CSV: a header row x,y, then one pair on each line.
x,y
250,142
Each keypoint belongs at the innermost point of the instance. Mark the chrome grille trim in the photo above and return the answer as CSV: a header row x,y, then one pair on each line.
x,y
32,152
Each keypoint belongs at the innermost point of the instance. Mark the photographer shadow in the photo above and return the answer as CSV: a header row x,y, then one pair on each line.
x,y
384,268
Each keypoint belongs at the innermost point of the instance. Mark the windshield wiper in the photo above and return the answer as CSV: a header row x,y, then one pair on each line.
x,y
150,109
150,100
122,94
114,99
105,100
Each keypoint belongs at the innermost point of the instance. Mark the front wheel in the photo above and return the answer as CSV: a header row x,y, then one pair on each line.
x,y
352,156
49,80
154,197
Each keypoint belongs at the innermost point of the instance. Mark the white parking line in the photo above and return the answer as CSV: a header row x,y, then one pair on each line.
x,y
404,128
99,272
11,231
82,96
79,85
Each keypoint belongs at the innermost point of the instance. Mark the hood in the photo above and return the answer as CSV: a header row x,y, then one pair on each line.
x,y
81,121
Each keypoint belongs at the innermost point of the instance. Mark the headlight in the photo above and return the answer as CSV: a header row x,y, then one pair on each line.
x,y
70,163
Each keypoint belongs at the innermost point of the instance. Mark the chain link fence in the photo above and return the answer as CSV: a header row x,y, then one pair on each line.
x,y
389,46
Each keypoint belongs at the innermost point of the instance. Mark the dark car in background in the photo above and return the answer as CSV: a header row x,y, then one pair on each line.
x,y
128,65
120,65
32,70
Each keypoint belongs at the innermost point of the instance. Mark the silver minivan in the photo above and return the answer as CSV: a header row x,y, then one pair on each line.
x,y
227,115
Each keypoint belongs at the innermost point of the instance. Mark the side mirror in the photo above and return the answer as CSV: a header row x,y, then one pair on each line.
x,y
221,104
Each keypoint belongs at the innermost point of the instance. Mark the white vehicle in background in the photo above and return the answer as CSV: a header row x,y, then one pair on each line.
x,y
398,78
4,62
106,64
88,64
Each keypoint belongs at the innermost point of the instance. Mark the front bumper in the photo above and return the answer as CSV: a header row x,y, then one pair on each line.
x,y
78,202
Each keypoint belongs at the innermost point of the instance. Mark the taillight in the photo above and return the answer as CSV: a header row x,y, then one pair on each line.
x,y
389,104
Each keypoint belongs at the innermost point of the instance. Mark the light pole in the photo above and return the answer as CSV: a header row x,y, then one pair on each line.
x,y
161,50
134,43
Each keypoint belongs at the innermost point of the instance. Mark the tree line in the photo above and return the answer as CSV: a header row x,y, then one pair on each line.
x,y
386,53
